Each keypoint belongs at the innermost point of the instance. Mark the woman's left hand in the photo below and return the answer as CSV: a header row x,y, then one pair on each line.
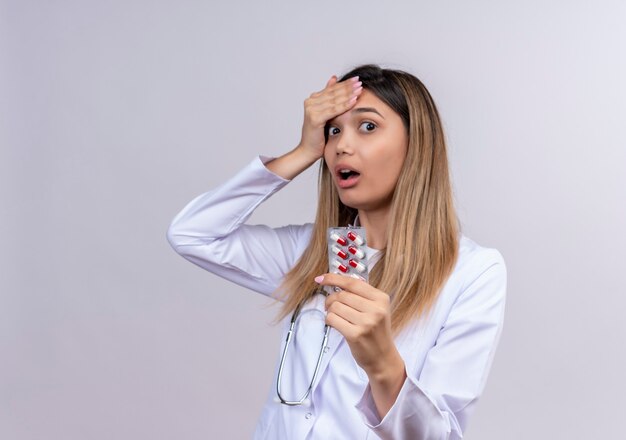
x,y
362,314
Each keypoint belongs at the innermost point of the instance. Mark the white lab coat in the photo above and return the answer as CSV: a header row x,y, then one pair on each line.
x,y
447,356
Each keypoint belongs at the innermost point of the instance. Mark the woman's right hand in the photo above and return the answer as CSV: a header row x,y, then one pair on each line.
x,y
336,98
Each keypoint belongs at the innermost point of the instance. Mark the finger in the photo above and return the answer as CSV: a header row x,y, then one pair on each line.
x,y
331,84
347,329
337,92
346,312
328,107
329,110
352,300
347,84
350,284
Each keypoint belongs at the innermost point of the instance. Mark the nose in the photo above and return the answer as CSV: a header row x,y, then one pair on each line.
x,y
344,143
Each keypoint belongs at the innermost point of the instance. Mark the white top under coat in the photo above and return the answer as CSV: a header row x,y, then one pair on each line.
x,y
447,356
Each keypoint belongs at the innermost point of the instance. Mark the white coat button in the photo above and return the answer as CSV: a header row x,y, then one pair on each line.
x,y
326,349
308,415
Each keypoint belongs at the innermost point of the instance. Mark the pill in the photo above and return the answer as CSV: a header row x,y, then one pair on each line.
x,y
356,251
355,238
357,276
358,266
340,266
337,250
338,238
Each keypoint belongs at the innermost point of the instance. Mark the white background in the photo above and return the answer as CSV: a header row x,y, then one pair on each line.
x,y
113,115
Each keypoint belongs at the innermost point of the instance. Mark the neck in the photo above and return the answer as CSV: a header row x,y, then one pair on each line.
x,y
375,224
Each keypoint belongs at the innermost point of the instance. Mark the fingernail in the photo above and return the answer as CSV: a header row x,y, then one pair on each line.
x,y
354,78
357,84
319,279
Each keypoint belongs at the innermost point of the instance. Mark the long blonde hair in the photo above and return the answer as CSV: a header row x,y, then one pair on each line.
x,y
423,229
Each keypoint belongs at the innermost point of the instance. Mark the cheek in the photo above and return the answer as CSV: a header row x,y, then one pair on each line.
x,y
328,152
387,171
390,161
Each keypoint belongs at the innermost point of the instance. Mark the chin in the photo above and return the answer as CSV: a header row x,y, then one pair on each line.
x,y
364,204
353,203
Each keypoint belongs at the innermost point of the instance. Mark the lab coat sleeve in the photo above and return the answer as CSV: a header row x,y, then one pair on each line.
x,y
436,405
210,231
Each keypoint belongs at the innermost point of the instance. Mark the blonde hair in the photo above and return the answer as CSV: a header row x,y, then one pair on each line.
x,y
423,229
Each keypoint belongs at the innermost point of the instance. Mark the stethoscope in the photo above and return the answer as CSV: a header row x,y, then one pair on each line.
x,y
290,333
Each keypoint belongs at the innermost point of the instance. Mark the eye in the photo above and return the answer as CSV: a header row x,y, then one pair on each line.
x,y
370,126
332,131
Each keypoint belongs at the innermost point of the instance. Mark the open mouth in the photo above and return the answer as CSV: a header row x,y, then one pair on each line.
x,y
346,177
347,174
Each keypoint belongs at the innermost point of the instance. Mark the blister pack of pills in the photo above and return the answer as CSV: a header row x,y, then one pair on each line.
x,y
346,253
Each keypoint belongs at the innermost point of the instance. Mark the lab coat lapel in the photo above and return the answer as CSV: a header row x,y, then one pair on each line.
x,y
335,339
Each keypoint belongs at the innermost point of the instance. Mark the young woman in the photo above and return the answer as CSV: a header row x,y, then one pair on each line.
x,y
408,354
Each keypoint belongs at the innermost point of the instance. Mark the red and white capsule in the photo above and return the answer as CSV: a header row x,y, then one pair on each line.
x,y
356,238
337,250
357,265
340,266
339,239
356,252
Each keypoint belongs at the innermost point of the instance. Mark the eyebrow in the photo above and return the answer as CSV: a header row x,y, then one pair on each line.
x,y
366,110
363,110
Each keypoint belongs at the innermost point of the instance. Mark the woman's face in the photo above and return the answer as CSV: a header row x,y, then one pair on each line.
x,y
370,142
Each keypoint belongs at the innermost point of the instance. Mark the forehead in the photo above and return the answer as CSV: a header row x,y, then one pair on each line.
x,y
366,99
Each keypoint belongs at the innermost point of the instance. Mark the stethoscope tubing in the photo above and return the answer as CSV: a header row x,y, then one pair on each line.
x,y
290,333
